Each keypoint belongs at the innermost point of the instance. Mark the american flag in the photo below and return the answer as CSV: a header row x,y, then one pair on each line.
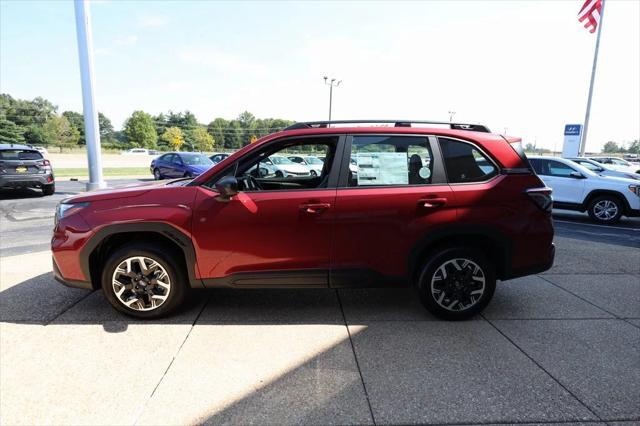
x,y
589,15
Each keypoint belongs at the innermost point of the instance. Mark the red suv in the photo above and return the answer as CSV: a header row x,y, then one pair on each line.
x,y
446,210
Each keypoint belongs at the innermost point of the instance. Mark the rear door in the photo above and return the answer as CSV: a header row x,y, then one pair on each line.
x,y
566,188
395,195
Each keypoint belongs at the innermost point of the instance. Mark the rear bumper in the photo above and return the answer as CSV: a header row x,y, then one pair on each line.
x,y
25,181
533,269
69,283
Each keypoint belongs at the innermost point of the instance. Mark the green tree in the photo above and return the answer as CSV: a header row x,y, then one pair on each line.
x,y
10,132
173,137
634,147
140,130
202,139
76,120
217,129
58,131
233,135
611,147
107,134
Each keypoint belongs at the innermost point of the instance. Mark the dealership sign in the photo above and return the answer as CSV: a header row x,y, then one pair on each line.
x,y
572,135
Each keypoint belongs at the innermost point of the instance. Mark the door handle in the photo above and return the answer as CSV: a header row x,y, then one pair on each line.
x,y
430,203
314,208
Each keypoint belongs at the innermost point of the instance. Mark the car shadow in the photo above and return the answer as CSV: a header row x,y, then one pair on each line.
x,y
14,194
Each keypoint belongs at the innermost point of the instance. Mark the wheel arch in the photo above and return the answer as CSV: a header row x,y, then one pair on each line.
x,y
110,237
492,241
598,192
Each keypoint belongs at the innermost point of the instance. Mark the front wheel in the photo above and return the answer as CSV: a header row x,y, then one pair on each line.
x,y
313,173
143,281
157,175
457,283
605,209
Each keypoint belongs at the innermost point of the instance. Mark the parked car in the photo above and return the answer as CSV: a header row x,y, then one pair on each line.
x,y
42,150
22,166
136,151
286,167
603,170
575,187
313,164
179,164
617,164
216,158
446,226
154,152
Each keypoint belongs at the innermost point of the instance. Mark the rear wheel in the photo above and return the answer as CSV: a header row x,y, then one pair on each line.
x,y
49,189
143,281
605,209
457,283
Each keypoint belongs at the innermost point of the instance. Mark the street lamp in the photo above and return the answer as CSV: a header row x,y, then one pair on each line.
x,y
451,115
331,83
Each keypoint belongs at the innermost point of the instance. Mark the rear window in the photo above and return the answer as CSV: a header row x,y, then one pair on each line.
x,y
19,154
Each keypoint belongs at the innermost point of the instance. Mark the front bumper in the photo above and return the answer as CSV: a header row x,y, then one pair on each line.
x,y
57,275
26,181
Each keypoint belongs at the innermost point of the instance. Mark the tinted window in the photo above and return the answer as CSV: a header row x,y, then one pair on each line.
x,y
390,160
196,159
465,163
20,154
556,168
536,163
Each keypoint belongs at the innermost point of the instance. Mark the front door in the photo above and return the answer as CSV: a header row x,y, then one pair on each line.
x,y
277,231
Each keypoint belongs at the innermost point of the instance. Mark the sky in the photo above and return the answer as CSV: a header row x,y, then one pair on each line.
x,y
517,66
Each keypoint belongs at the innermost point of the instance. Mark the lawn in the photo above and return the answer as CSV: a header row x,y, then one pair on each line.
x,y
106,172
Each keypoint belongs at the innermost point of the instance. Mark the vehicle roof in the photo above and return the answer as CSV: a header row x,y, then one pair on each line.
x,y
16,146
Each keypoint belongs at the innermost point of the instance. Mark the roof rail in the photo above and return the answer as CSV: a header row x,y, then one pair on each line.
x,y
396,123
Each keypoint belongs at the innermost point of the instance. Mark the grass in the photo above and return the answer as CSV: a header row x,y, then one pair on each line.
x,y
106,172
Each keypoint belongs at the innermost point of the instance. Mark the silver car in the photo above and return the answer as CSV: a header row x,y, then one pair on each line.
x,y
602,169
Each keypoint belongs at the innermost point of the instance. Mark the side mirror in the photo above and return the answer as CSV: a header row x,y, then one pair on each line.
x,y
227,187
577,175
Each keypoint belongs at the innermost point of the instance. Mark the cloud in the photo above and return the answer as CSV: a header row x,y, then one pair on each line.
x,y
152,21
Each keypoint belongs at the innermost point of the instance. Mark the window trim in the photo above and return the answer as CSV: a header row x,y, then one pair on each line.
x,y
487,156
438,177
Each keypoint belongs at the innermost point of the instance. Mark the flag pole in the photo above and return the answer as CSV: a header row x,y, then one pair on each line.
x,y
583,142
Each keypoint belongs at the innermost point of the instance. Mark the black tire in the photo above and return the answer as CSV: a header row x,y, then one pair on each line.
x,y
279,174
163,256
600,215
49,189
188,175
313,173
430,271
157,175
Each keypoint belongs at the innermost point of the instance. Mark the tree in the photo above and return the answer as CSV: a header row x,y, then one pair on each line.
x,y
253,139
233,135
106,128
634,147
173,137
217,129
203,141
76,120
10,132
140,130
58,131
529,147
611,147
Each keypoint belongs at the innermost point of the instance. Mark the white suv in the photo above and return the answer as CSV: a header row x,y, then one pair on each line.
x,y
605,198
617,164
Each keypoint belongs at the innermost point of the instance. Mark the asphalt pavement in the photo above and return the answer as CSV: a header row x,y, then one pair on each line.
x,y
558,347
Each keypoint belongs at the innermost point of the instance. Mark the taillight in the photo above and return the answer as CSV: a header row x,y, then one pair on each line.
x,y
541,197
45,163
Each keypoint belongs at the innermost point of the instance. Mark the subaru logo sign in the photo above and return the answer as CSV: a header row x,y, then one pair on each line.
x,y
572,129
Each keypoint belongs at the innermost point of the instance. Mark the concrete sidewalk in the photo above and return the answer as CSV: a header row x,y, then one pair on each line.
x,y
559,347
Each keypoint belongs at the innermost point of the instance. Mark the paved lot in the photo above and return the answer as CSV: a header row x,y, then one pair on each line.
x,y
559,347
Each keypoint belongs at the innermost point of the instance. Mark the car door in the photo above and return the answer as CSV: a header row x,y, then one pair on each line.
x,y
565,181
394,197
279,235
176,169
164,164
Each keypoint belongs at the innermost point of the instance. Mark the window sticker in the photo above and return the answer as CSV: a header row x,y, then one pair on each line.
x,y
382,168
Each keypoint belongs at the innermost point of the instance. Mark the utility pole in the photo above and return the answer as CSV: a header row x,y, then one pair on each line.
x,y
91,126
331,83
583,142
451,115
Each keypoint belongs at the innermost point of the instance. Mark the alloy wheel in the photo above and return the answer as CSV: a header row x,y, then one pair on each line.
x,y
458,284
141,283
605,210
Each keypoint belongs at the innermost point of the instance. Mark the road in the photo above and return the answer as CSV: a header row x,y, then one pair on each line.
x,y
558,347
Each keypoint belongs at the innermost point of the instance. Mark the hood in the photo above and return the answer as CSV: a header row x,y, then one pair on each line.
x,y
294,168
619,179
123,191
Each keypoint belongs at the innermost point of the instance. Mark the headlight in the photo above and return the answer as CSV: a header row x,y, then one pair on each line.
x,y
67,209
635,189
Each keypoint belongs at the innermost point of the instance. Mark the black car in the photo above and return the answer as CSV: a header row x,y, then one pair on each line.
x,y
22,166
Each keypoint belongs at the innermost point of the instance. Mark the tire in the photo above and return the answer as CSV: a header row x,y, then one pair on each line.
x,y
175,279
456,284
279,174
48,189
313,173
157,175
188,175
605,209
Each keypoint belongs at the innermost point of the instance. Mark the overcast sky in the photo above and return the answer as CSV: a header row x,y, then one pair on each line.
x,y
519,65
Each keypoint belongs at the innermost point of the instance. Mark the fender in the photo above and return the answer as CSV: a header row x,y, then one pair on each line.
x,y
182,240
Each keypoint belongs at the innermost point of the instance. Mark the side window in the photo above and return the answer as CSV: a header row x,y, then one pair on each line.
x,y
176,159
465,163
537,165
390,160
558,169
272,168
167,158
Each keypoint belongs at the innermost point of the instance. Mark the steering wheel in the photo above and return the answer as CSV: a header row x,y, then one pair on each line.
x,y
252,183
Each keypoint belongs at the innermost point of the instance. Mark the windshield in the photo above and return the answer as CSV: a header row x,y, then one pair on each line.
x,y
196,160
619,162
589,166
314,160
280,160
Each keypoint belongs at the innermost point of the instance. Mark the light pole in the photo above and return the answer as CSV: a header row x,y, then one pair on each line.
x,y
331,83
451,115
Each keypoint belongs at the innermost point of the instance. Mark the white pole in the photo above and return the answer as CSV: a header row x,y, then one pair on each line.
x,y
583,142
91,126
